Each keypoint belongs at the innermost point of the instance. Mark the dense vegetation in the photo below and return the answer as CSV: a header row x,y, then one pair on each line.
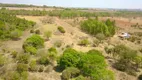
x,y
95,27
91,64
12,27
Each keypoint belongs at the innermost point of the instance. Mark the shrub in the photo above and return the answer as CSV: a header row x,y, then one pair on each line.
x,y
61,29
32,31
32,65
32,42
48,34
81,78
52,50
100,36
14,54
96,42
24,75
32,50
49,68
43,60
16,34
84,42
23,58
22,67
41,69
37,32
70,72
58,44
140,50
2,60
12,76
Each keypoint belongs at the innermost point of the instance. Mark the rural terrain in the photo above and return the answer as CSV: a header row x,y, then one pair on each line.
x,y
51,43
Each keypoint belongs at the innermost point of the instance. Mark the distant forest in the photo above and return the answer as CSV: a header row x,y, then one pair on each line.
x,y
67,12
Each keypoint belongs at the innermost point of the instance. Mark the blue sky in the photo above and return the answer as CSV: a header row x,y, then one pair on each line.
x,y
133,4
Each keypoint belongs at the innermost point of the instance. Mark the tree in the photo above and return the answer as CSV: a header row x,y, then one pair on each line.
x,y
70,58
94,27
61,29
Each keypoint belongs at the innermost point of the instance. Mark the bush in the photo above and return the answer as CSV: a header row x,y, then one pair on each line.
x,y
48,34
52,50
49,69
24,75
16,34
58,44
33,66
70,72
37,32
100,36
22,67
61,29
43,60
32,31
23,58
32,50
41,69
12,76
81,78
140,50
14,54
96,42
84,42
52,57
32,43
2,60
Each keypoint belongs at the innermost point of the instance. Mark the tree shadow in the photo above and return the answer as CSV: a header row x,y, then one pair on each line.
x,y
140,77
16,39
58,68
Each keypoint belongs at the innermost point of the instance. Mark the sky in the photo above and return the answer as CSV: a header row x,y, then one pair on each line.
x,y
121,4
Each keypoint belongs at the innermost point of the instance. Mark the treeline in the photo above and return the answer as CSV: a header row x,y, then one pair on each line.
x,y
72,13
16,5
12,27
96,27
24,12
